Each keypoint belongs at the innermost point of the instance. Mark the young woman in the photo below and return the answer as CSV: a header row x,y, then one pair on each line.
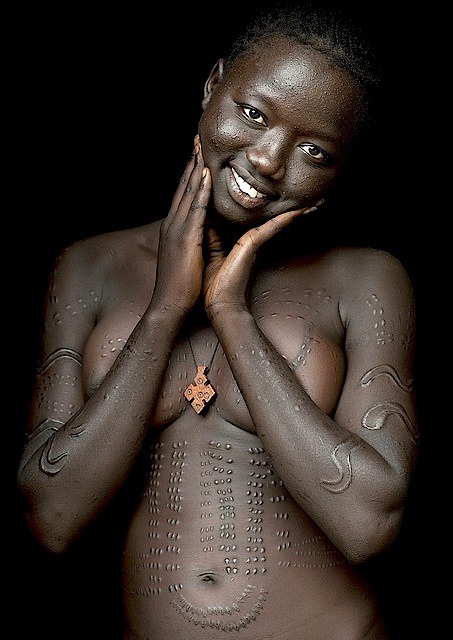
x,y
250,388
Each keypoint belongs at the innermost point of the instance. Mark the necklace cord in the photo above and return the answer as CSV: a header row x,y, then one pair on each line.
x,y
207,367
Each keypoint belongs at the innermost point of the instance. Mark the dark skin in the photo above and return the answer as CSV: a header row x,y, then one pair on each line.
x,y
253,512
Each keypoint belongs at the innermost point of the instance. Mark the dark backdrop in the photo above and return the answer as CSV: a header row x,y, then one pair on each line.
x,y
104,106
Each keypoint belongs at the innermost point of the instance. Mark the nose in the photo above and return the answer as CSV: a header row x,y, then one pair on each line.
x,y
268,156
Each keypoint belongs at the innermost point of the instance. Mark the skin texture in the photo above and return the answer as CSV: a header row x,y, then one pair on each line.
x,y
249,516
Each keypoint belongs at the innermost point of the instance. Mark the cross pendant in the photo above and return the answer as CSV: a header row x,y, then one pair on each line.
x,y
200,393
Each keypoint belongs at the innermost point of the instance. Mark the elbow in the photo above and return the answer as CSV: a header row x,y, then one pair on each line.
x,y
52,539
370,536
52,530
372,524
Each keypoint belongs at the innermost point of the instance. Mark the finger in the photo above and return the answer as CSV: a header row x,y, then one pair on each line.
x,y
256,237
189,182
196,211
183,180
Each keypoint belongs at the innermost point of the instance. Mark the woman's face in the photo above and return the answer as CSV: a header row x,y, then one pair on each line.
x,y
276,130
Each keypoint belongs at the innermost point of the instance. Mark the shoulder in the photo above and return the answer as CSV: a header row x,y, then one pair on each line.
x,y
364,275
376,296
97,256
346,268
369,270
356,278
366,265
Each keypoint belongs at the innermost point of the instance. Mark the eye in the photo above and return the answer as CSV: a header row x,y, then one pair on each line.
x,y
315,152
253,114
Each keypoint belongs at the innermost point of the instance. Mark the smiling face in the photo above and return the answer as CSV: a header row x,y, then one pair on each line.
x,y
276,130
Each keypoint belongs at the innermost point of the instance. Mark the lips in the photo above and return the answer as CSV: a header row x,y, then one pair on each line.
x,y
247,188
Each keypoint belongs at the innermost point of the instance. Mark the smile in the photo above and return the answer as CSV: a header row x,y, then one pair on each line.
x,y
245,187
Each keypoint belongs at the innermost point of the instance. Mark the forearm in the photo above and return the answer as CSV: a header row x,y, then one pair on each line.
x,y
308,449
69,471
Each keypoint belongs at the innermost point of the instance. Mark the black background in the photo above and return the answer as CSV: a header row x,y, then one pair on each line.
x,y
104,105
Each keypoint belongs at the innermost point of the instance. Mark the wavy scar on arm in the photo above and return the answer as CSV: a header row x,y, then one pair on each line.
x,y
341,457
377,415
59,354
374,418
46,435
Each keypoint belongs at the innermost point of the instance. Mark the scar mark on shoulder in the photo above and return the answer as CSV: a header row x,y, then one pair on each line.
x,y
385,370
341,457
58,355
377,415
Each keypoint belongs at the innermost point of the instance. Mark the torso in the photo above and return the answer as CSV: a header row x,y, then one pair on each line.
x,y
216,545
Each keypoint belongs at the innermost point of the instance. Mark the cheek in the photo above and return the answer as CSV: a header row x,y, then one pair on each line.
x,y
218,134
308,182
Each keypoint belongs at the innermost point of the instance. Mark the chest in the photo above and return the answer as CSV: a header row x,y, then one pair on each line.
x,y
299,317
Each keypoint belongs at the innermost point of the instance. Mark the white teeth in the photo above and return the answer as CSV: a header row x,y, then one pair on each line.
x,y
246,187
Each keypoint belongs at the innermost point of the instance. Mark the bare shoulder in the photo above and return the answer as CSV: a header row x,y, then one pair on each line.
x,y
375,297
114,245
345,269
359,280
372,272
365,265
101,255
368,277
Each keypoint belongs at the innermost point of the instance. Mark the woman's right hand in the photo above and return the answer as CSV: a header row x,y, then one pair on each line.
x,y
180,261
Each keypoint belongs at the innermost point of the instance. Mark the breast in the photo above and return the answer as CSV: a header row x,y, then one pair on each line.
x,y
319,366
301,323
105,343
227,401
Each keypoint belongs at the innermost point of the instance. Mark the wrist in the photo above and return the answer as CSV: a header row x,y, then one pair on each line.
x,y
222,314
166,312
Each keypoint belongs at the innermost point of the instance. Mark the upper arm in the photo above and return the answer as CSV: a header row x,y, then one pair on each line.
x,y
378,400
69,315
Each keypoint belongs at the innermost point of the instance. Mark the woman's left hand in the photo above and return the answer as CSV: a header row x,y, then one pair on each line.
x,y
226,276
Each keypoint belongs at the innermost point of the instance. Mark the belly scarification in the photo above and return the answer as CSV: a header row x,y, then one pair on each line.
x,y
217,537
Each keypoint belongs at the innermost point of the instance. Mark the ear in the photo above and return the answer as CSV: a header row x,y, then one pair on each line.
x,y
211,83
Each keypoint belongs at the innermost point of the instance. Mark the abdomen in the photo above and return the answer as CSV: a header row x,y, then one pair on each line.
x,y
218,545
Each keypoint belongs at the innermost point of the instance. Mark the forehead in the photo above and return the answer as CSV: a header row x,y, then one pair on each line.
x,y
296,77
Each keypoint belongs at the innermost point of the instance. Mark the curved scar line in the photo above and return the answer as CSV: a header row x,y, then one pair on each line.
x,y
58,355
52,465
375,417
38,437
48,464
341,457
385,370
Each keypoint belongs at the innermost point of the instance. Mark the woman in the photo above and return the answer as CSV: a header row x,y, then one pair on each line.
x,y
256,393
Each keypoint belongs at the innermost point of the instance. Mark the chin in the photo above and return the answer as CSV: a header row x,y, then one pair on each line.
x,y
229,212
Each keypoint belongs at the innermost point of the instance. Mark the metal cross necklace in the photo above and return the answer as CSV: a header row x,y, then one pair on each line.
x,y
200,392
